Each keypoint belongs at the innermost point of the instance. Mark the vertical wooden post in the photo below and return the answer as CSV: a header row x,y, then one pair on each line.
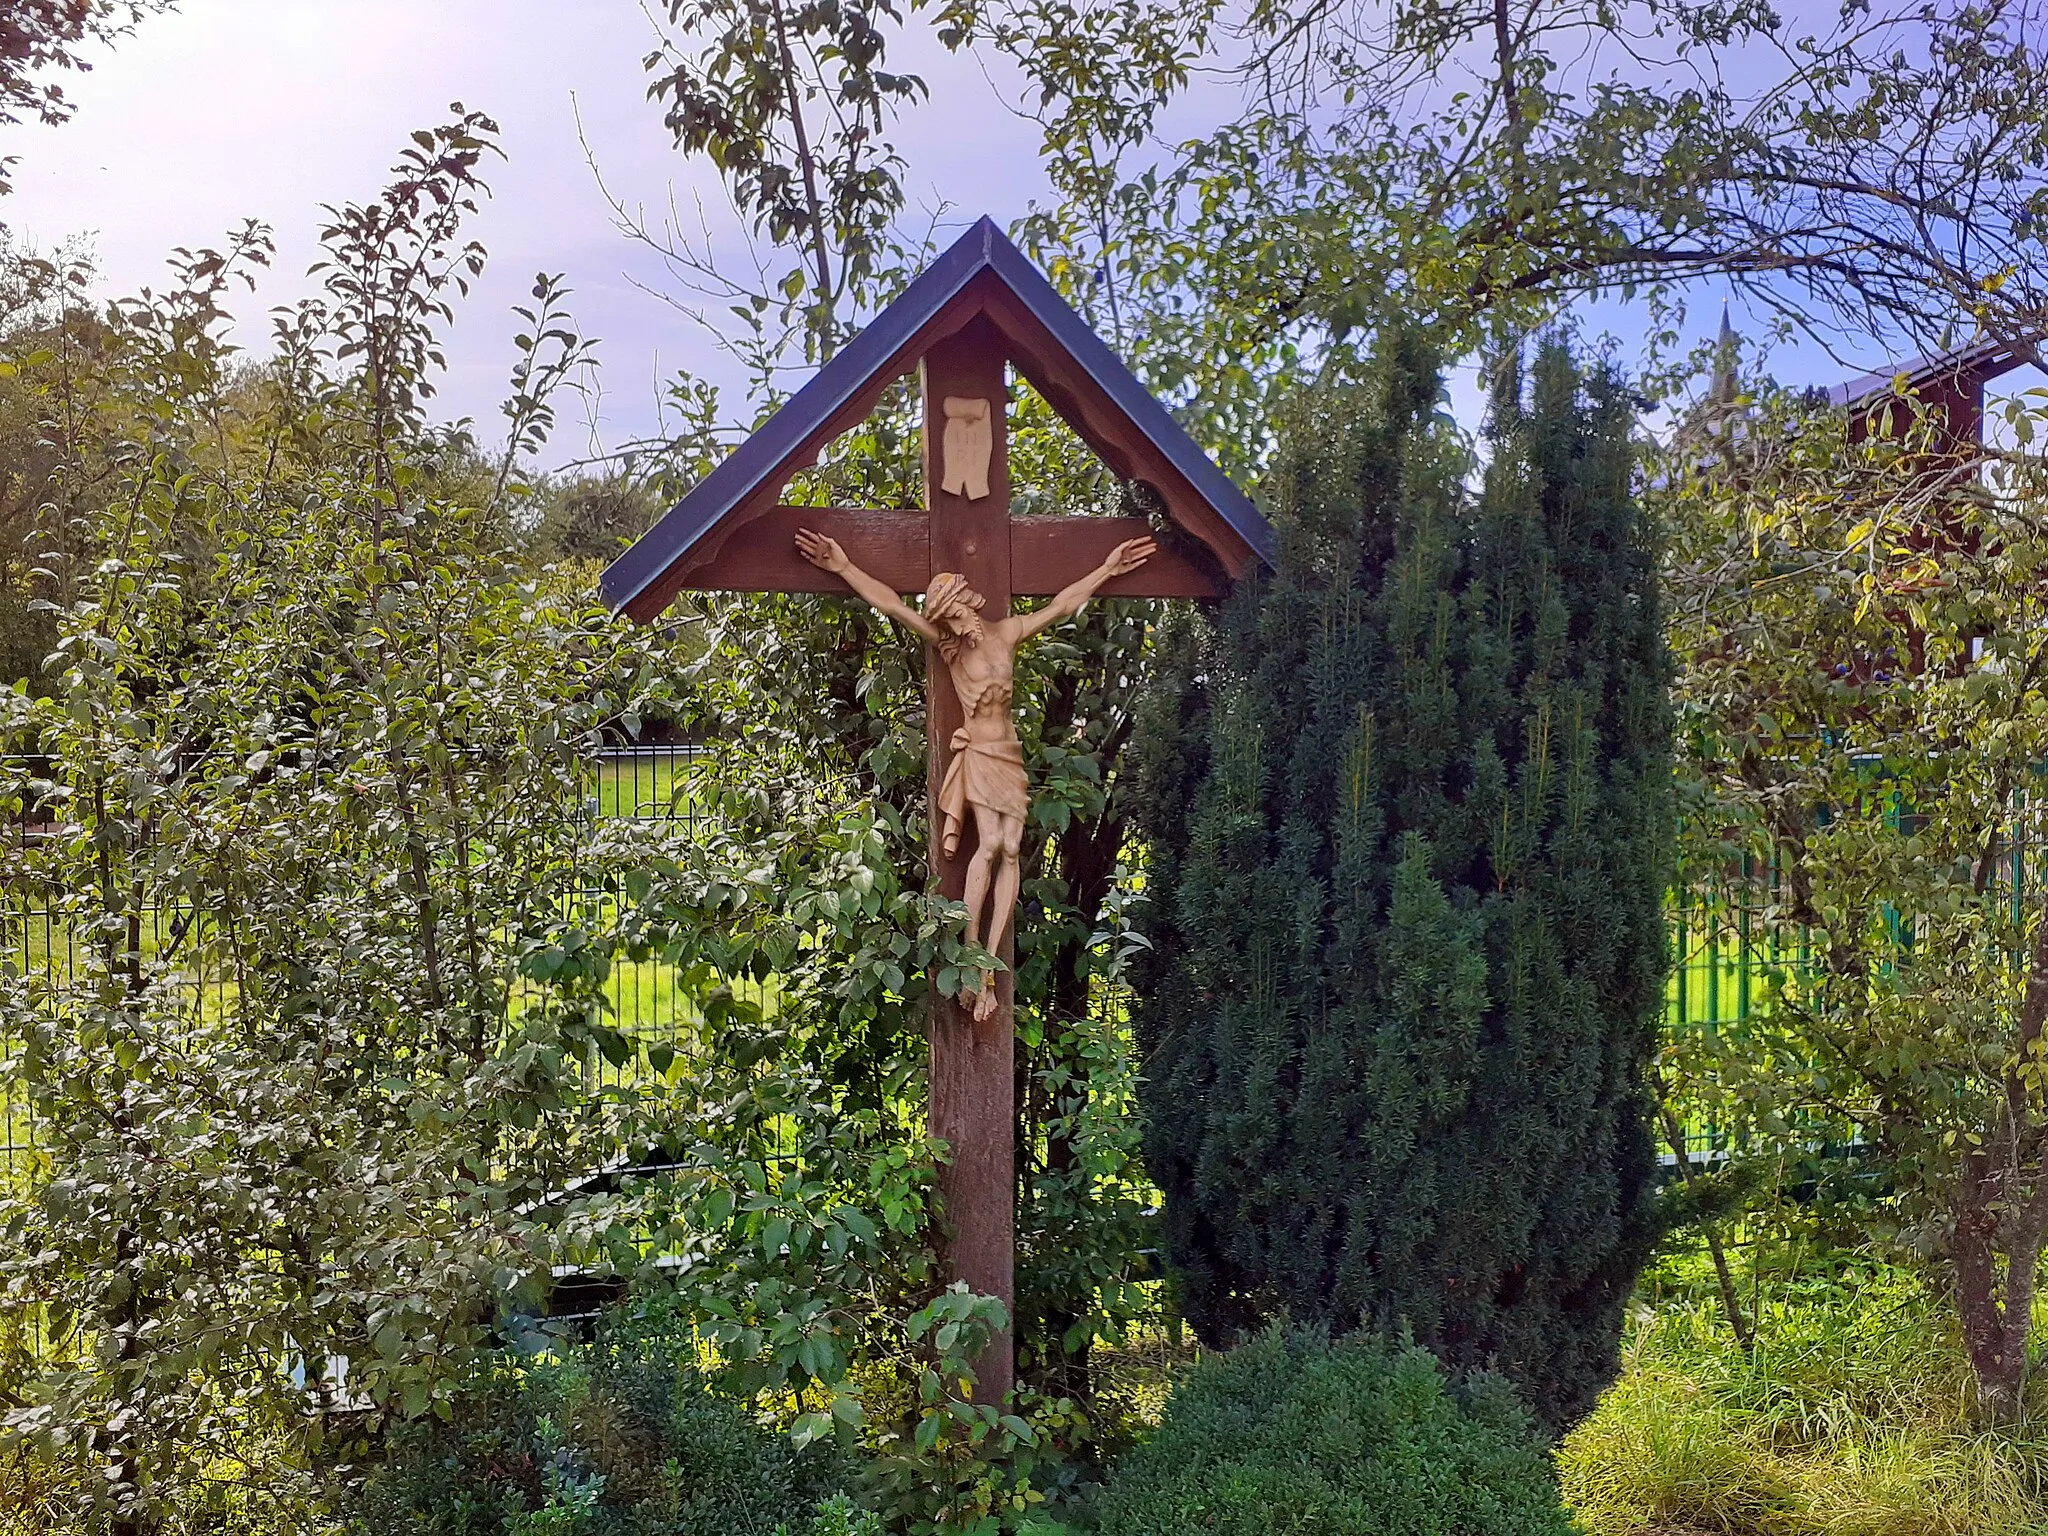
x,y
973,1073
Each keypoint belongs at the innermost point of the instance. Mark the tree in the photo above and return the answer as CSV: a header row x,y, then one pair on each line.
x,y
586,517
1408,808
37,36
1859,627
1478,165
312,762
790,103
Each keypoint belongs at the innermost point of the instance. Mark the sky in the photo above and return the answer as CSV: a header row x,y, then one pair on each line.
x,y
233,109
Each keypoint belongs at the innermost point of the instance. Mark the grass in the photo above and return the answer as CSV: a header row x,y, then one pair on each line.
x,y
643,785
1848,1420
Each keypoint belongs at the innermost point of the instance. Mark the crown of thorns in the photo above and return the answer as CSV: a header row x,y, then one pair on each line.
x,y
949,597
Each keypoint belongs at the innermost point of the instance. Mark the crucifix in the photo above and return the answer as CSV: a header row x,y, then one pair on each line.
x,y
978,310
985,775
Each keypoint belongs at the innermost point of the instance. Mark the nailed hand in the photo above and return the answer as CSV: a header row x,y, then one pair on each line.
x,y
820,551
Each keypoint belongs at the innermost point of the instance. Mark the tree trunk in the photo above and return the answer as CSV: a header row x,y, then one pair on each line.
x,y
1997,1309
2001,1213
1731,1304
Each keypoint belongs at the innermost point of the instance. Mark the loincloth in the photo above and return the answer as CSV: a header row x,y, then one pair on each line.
x,y
989,774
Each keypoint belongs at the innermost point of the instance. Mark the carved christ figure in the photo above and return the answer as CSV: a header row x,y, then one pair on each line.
x,y
986,774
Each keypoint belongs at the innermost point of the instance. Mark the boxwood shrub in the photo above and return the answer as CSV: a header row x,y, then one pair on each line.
x,y
601,1443
1290,1435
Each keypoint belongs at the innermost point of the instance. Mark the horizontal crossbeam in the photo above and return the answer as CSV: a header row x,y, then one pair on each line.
x,y
1046,553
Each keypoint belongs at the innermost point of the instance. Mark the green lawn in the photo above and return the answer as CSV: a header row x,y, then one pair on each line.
x,y
643,784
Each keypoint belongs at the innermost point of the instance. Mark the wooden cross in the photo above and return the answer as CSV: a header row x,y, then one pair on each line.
x,y
977,309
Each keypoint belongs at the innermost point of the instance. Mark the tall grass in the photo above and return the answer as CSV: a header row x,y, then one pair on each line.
x,y
1850,1419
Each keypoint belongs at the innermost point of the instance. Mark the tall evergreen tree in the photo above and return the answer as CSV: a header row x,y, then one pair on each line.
x,y
1409,809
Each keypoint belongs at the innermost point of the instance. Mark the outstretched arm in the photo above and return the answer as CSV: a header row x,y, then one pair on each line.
x,y
826,554
1126,557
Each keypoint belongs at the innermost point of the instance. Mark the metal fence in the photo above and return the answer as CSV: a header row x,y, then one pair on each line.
x,y
41,944
1726,949
1732,946
1724,944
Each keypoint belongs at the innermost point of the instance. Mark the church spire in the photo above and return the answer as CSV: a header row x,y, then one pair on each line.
x,y
1714,430
1726,355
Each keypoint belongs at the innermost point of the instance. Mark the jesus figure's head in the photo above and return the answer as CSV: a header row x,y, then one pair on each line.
x,y
956,608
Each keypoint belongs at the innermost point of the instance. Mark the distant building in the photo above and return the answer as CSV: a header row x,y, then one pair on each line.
x,y
1944,390
1948,389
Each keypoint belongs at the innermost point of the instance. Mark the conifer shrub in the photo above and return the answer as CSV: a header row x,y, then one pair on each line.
x,y
1408,806
1291,1434
603,1443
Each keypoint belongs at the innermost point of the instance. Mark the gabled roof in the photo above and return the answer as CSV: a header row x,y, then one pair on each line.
x,y
981,274
1966,367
